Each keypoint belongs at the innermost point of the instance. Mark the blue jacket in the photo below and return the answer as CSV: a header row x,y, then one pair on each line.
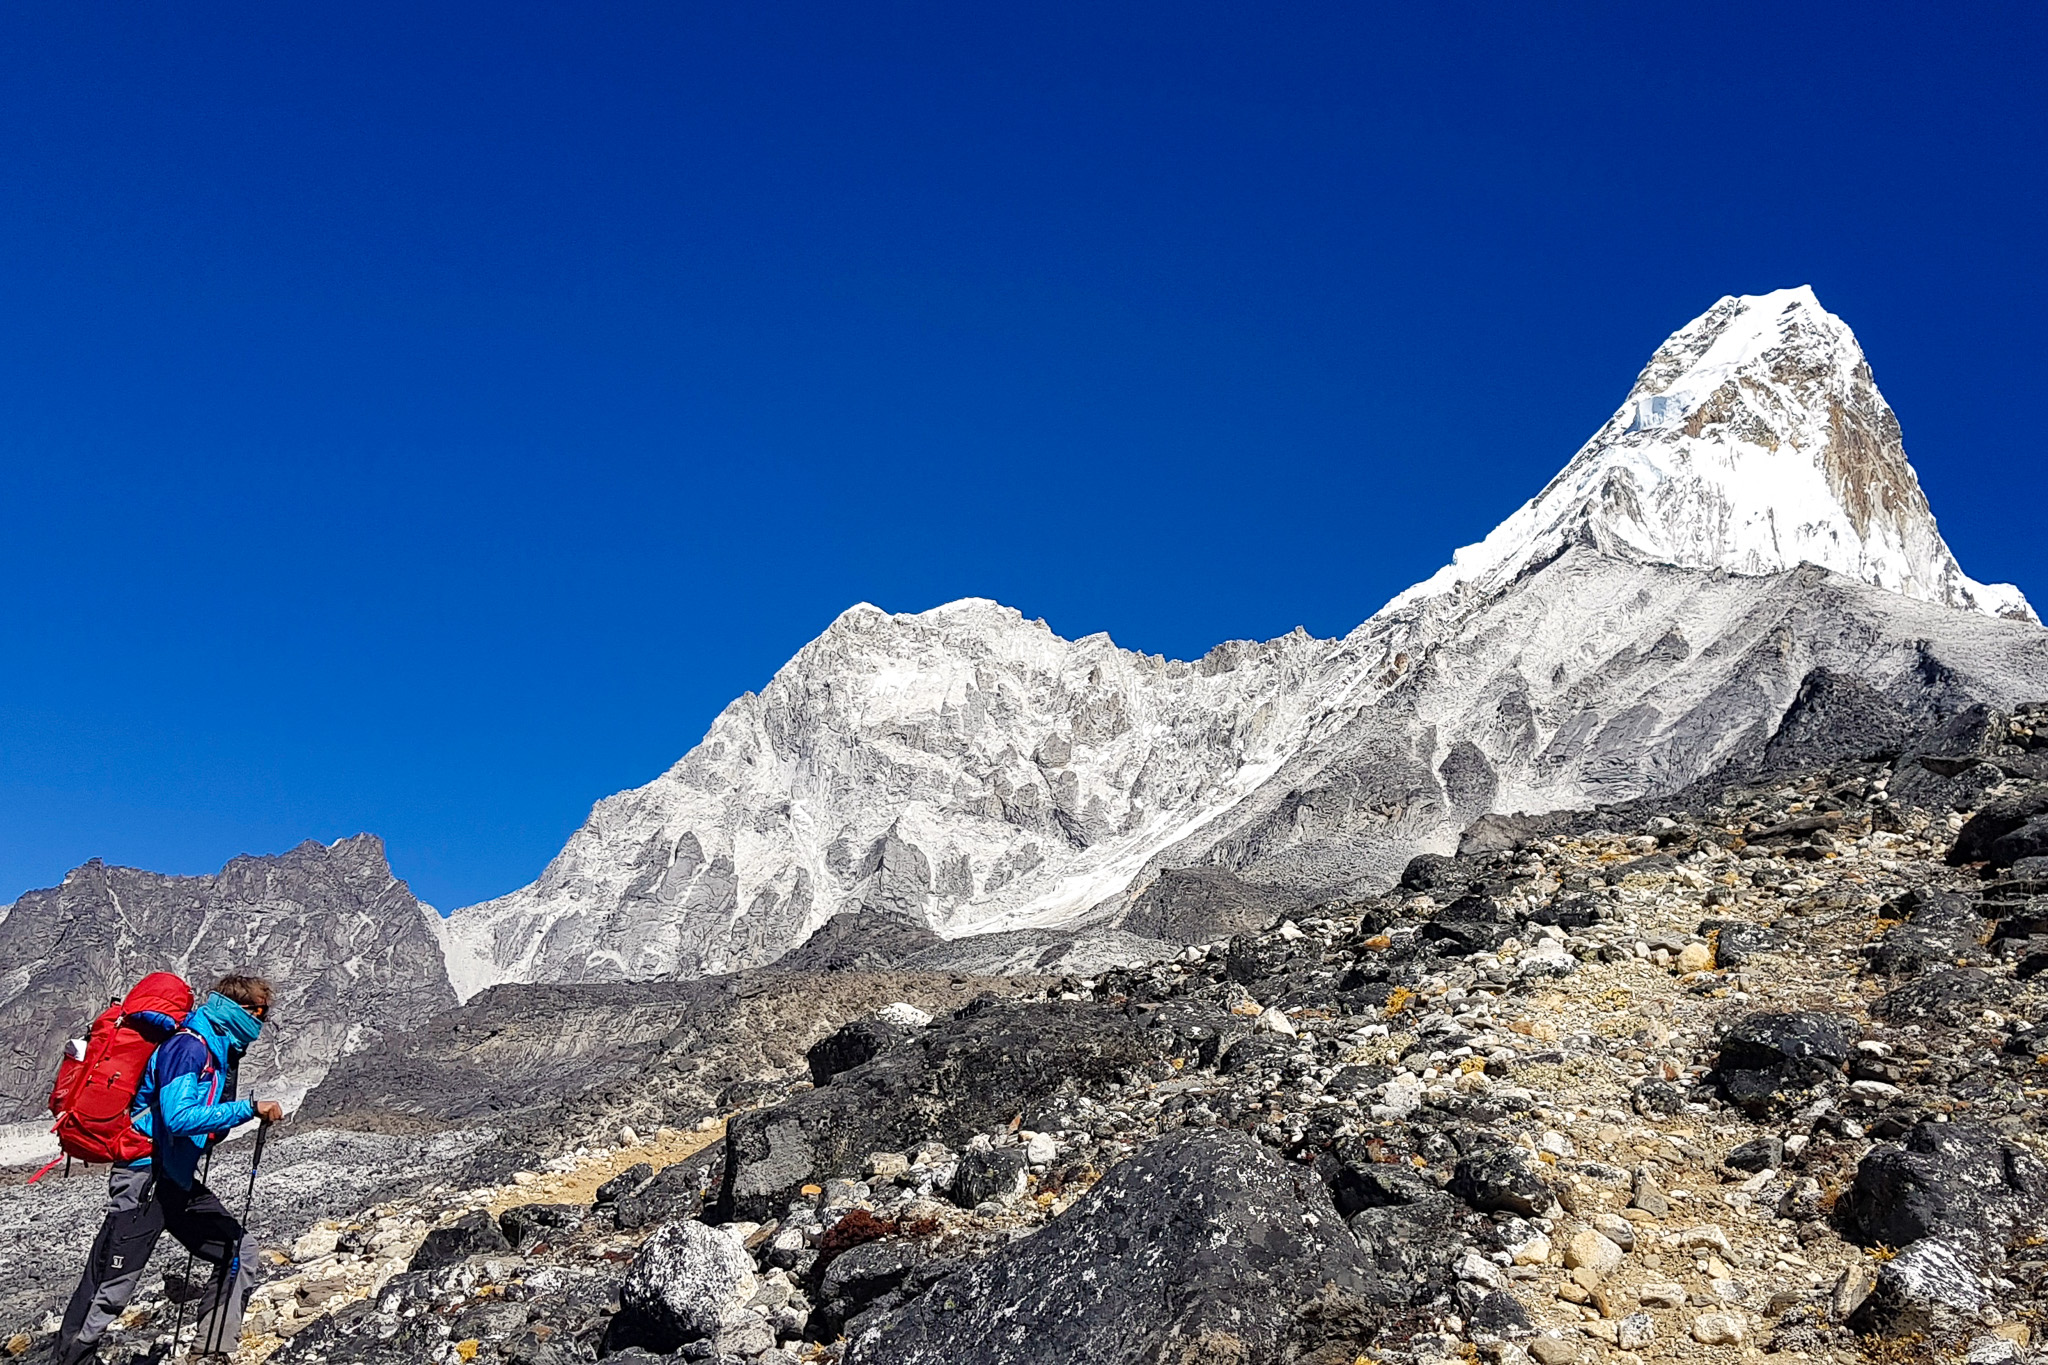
x,y
187,1097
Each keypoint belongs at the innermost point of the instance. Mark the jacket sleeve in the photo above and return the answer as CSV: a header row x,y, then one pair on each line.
x,y
181,1099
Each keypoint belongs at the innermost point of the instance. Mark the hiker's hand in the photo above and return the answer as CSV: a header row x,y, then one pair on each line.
x,y
270,1111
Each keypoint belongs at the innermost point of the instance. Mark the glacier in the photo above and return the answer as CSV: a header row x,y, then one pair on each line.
x,y
1746,515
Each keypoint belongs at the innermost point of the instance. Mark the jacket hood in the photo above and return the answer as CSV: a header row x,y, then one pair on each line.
x,y
233,1025
158,1004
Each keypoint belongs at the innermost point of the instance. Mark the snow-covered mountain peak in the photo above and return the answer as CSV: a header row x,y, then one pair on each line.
x,y
966,772
1753,441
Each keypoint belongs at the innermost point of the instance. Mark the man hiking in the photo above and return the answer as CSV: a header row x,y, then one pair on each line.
x,y
185,1104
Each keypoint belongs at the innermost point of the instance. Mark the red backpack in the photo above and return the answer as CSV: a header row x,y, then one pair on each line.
x,y
96,1085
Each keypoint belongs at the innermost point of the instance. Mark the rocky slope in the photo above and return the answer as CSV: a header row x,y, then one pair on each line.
x,y
1750,1070
1748,515
352,954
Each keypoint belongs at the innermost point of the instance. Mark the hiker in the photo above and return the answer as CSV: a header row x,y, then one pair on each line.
x,y
185,1104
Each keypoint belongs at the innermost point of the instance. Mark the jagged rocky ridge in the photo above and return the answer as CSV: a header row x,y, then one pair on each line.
x,y
1747,516
1755,1065
353,955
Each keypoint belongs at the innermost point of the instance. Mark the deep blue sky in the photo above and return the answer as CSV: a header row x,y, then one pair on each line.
x,y
423,419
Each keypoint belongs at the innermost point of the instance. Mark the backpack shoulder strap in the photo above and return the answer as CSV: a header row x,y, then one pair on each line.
x,y
180,1054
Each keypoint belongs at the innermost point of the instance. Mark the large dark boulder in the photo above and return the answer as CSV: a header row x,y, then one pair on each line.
x,y
1498,1178
676,1191
473,1234
1943,784
1941,929
988,1173
530,1223
1369,1184
1949,1199
1771,1060
1412,1247
1434,872
1471,923
854,1044
856,1278
867,939
1205,1246
2028,841
1959,1181
992,1062
1945,997
1931,1288
2000,818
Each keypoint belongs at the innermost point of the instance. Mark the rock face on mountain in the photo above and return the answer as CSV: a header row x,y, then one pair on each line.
x,y
1746,518
352,954
964,768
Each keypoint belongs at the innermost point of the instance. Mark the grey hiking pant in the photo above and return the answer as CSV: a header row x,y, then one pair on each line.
x,y
140,1209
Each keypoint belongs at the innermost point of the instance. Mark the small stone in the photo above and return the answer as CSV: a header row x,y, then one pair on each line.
x,y
887,1165
1590,1250
1616,1229
1728,1290
986,1175
1693,957
1273,1020
1476,1269
1587,1278
315,1244
1661,1294
1649,1196
1635,1331
627,1137
1534,1250
1708,1235
1717,1329
1553,1350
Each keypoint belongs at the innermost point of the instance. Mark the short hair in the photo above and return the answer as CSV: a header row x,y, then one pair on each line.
x,y
250,992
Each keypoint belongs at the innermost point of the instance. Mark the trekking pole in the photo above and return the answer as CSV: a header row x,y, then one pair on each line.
x,y
255,1160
